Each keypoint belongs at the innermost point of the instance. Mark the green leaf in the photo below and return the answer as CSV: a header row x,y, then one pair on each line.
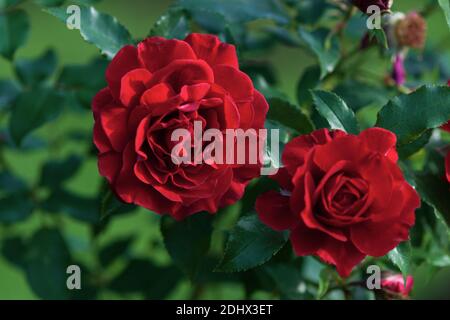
x,y
187,241
401,257
114,250
9,3
286,114
31,72
335,111
408,150
14,250
78,207
171,25
288,280
358,94
9,91
49,3
79,77
142,276
445,5
283,35
98,28
14,30
310,11
15,208
55,172
309,80
324,283
432,188
110,205
237,11
9,183
325,49
410,116
380,36
250,244
46,263
32,110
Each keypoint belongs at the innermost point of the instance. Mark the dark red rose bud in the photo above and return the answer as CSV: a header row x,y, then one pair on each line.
x,y
362,5
161,86
411,31
395,285
343,197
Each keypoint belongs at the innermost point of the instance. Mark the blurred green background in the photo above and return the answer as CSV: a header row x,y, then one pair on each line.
x,y
138,16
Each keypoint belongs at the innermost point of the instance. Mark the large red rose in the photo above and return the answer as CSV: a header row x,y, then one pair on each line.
x,y
343,197
160,86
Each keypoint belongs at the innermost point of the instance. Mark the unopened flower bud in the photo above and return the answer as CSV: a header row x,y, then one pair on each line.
x,y
395,285
411,31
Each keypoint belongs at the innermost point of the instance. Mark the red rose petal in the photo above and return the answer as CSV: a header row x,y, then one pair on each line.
x,y
184,72
124,61
306,241
344,255
109,165
260,109
274,210
380,140
133,84
235,82
114,124
155,53
209,48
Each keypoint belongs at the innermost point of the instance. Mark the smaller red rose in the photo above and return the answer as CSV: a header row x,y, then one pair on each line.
x,y
343,197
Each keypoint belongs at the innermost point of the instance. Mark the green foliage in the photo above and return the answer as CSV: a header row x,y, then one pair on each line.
x,y
288,115
409,120
172,25
445,5
250,244
325,49
401,257
187,241
56,210
35,72
335,111
33,109
98,28
14,28
46,263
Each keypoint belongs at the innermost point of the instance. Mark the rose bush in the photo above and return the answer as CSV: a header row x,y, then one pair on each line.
x,y
360,116
156,88
343,197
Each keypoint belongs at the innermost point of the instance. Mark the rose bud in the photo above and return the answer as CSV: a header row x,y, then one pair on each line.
x,y
363,5
398,71
411,31
161,86
343,197
394,285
